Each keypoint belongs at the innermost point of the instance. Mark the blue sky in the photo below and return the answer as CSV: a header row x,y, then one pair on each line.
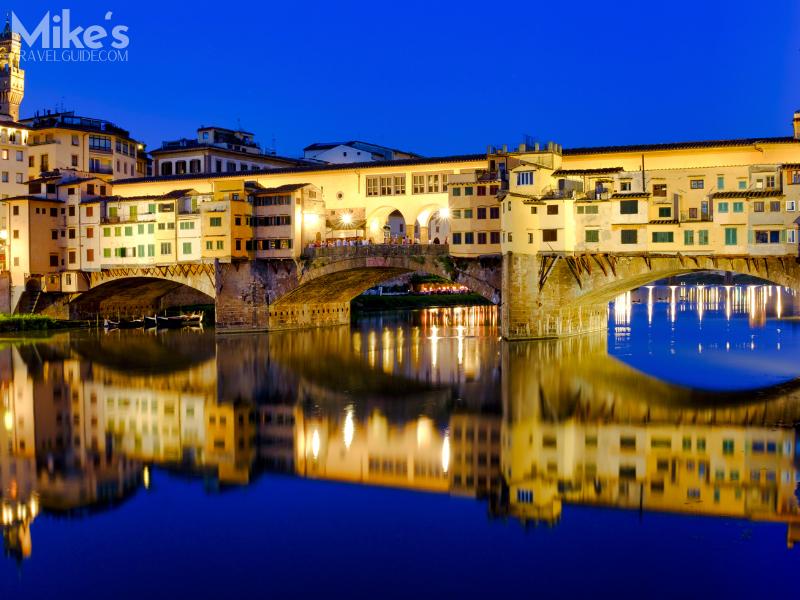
x,y
436,77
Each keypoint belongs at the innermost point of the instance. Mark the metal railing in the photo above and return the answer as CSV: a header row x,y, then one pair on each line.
x,y
376,250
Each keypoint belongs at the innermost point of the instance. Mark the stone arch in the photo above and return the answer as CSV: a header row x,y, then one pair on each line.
x,y
378,217
138,294
556,295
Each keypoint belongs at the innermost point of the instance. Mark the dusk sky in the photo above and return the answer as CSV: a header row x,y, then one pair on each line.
x,y
435,78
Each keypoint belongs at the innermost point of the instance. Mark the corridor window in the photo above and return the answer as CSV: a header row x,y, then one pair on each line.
x,y
629,236
663,237
386,186
629,207
418,184
433,184
399,184
372,186
525,178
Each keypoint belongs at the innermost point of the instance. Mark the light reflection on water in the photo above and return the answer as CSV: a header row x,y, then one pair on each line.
x,y
427,401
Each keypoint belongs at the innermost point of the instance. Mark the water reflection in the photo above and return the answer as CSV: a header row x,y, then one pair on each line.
x,y
428,401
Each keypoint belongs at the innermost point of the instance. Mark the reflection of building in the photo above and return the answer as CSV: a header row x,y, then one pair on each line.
x,y
475,454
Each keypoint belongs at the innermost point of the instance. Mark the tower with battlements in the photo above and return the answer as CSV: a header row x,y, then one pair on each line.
x,y
12,78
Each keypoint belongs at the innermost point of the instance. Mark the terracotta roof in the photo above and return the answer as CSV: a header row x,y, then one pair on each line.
x,y
602,171
377,164
681,145
29,197
174,194
664,222
748,194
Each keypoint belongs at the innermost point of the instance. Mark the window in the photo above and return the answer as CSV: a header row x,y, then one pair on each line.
x,y
494,212
187,247
456,191
696,184
481,212
53,260
468,190
75,140
456,238
688,237
664,212
758,206
791,236
722,207
74,160
663,237
767,237
530,238
399,184
629,207
549,235
660,190
89,255
525,178
791,205
433,184
71,256
209,245
629,236
552,209
730,236
742,184
720,182
469,237
106,252
588,210
467,213
494,237
220,245
215,222
702,237
166,248
481,190
386,186
482,238
418,184
770,181
775,206
592,236
738,207
625,186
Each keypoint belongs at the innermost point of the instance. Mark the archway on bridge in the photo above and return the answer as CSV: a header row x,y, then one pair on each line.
x,y
134,297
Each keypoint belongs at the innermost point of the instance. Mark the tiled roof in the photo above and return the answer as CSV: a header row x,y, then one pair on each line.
x,y
791,166
377,164
681,145
664,222
748,194
29,197
603,171
174,194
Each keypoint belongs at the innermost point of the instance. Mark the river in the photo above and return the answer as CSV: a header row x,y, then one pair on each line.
x,y
411,453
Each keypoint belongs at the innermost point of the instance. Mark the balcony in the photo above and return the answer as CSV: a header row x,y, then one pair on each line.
x,y
699,217
101,170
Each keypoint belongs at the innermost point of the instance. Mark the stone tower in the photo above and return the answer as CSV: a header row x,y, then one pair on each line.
x,y
12,78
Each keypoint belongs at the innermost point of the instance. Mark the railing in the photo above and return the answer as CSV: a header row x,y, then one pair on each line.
x,y
376,250
101,170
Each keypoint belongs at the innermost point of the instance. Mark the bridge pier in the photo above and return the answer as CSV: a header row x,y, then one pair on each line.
x,y
531,311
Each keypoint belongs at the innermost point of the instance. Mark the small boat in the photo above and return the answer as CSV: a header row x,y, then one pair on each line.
x,y
123,323
151,321
175,322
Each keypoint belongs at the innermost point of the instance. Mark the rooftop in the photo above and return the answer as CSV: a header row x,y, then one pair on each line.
x,y
69,120
681,145
382,164
283,189
366,146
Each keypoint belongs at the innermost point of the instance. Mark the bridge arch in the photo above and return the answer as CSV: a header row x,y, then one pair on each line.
x,y
134,292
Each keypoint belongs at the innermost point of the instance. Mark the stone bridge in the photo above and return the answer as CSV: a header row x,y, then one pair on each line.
x,y
543,295
317,289
557,295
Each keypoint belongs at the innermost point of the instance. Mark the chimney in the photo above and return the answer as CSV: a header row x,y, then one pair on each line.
x,y
797,124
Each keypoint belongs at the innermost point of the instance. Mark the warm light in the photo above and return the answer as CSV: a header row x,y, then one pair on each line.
x,y
315,444
34,506
424,432
146,477
444,213
374,225
347,218
3,234
8,420
349,428
311,219
446,453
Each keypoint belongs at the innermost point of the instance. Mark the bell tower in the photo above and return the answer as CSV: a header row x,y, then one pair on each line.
x,y
12,78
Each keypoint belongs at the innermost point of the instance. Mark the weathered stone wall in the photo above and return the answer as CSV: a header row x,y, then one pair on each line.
x,y
242,296
5,292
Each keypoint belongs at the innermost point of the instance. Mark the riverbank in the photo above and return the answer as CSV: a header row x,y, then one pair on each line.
x,y
416,301
13,323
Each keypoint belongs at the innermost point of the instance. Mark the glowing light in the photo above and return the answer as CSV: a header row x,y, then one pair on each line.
x,y
347,218
424,432
349,429
434,345
8,420
446,453
311,219
444,213
3,234
315,444
146,477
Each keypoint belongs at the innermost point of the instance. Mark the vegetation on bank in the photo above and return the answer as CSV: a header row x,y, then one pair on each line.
x,y
33,323
417,301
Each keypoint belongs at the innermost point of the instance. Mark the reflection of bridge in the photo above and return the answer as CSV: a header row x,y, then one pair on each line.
x,y
543,295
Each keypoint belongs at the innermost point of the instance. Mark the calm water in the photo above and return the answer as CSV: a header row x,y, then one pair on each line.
x,y
411,453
